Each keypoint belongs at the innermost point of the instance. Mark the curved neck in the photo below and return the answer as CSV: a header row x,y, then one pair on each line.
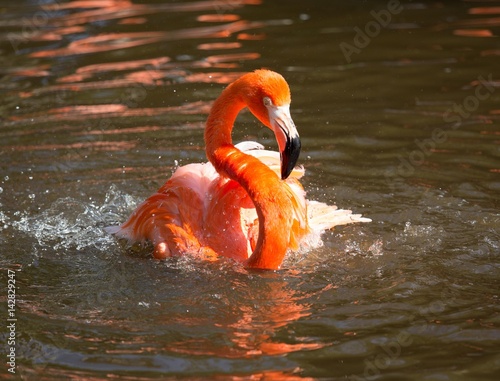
x,y
271,199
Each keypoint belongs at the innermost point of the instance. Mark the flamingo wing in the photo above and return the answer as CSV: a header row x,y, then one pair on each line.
x,y
197,211
172,217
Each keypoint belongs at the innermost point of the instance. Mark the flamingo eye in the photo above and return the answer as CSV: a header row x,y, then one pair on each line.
x,y
267,101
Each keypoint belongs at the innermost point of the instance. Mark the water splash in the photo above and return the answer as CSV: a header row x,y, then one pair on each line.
x,y
72,223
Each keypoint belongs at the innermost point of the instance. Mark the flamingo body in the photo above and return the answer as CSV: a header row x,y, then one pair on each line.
x,y
236,205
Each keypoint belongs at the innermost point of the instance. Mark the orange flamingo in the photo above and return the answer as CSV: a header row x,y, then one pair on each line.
x,y
246,203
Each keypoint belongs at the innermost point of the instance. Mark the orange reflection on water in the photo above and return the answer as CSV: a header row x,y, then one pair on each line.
x,y
272,376
146,77
123,65
235,57
478,26
215,77
250,37
252,327
491,21
473,32
114,41
218,18
84,113
104,42
219,45
76,87
75,111
88,4
134,21
86,72
490,52
40,71
484,11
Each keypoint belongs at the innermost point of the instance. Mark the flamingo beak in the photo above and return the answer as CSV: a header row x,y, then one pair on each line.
x,y
287,136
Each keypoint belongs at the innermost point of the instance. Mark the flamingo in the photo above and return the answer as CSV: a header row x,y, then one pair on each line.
x,y
246,203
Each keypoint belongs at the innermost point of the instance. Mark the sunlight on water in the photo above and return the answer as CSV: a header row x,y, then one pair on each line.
x,y
397,105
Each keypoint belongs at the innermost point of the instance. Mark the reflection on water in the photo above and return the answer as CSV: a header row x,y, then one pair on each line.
x,y
102,100
253,327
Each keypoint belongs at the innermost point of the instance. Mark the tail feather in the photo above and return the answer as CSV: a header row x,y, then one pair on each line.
x,y
323,217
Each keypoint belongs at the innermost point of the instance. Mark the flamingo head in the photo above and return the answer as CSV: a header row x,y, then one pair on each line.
x,y
268,98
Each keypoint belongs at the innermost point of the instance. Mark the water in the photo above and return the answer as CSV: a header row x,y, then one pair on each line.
x,y
399,120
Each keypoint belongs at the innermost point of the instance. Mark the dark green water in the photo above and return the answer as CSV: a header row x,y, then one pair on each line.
x,y
398,107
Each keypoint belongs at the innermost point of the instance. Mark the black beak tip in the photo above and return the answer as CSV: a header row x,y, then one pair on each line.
x,y
289,157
